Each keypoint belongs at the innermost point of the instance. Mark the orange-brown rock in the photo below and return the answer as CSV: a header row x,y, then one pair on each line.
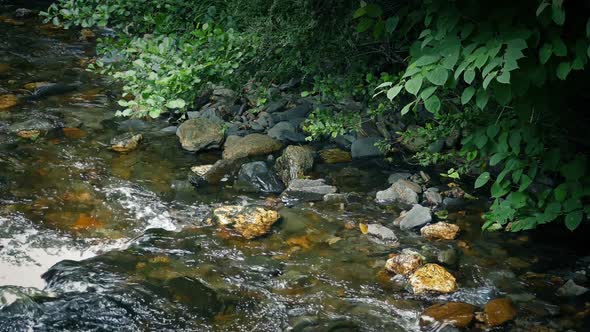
x,y
32,134
334,156
8,101
440,230
457,314
499,311
432,278
248,221
74,133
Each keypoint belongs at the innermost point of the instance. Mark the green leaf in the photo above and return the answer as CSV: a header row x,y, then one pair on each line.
x,y
176,103
414,85
492,131
497,158
427,92
558,15
426,60
574,170
488,79
393,92
481,98
364,24
480,141
391,24
467,95
482,179
360,12
573,219
545,53
525,182
559,48
542,7
406,108
560,192
498,190
432,104
469,75
502,93
373,10
563,69
438,76
504,78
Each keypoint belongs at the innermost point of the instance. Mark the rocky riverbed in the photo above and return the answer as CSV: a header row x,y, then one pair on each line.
x,y
229,220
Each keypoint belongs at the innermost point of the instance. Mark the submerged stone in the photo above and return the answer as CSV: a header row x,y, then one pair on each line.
x,y
307,190
499,311
457,314
7,102
125,142
257,177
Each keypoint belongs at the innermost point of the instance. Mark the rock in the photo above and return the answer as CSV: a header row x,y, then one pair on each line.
x,y
393,178
447,256
293,115
23,13
403,192
248,221
42,123
416,217
404,263
275,106
335,156
381,234
432,278
499,311
7,102
365,148
286,132
194,295
343,198
256,177
414,141
199,177
440,230
125,142
211,113
432,198
452,203
200,134
294,163
307,190
133,125
570,289
250,145
215,173
457,314
264,120
169,130
87,34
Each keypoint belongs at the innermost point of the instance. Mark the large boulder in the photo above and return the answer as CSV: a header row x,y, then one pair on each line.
x,y
404,263
257,177
416,217
294,163
440,230
365,148
402,192
432,278
307,190
457,314
200,134
250,145
249,221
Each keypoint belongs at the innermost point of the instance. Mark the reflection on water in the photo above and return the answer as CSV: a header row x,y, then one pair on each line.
x,y
91,239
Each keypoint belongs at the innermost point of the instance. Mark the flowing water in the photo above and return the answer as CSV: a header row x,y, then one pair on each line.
x,y
95,240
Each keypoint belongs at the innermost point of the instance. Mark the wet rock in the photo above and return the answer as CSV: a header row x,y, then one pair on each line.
x,y
432,197
213,174
249,221
447,256
194,294
335,156
440,230
7,102
393,178
365,148
381,234
294,163
404,263
169,130
342,198
43,123
133,125
125,142
87,34
402,192
23,13
416,217
432,278
499,311
453,203
307,190
199,176
571,289
457,314
200,134
257,177
250,145
286,132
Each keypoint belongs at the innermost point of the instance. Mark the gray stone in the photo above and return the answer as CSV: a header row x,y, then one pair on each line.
x,y
257,177
453,203
447,256
200,134
264,120
416,217
344,141
286,132
276,106
300,111
365,148
570,289
169,130
432,198
125,142
398,176
402,192
294,163
211,113
41,123
381,234
307,190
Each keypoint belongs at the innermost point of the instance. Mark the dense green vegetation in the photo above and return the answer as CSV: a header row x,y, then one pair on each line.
x,y
507,78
